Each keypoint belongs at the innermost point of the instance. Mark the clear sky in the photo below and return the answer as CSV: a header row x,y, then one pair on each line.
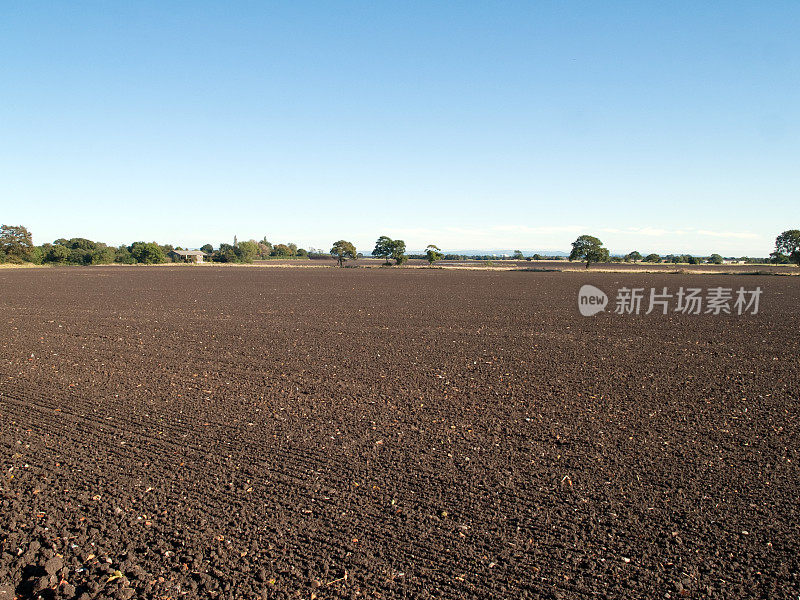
x,y
657,126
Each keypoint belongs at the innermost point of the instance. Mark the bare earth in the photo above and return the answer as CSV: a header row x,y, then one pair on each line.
x,y
343,433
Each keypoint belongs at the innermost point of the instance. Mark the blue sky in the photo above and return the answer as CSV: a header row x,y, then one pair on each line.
x,y
657,126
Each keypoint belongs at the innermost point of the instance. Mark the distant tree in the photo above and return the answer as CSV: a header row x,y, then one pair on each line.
x,y
15,242
79,256
652,258
634,256
788,244
81,244
693,260
35,255
778,258
342,250
302,252
383,248
226,253
588,248
207,248
281,250
147,253
292,249
399,252
247,251
715,259
432,253
123,256
518,255
102,255
57,253
537,257
264,250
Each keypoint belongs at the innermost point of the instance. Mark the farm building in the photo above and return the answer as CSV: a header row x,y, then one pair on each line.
x,y
195,256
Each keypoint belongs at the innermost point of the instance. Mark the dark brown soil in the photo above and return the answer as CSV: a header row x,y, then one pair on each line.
x,y
243,433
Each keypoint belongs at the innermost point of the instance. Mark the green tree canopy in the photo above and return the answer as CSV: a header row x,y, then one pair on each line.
x,y
57,253
383,248
15,241
148,253
588,248
387,248
342,250
399,252
247,251
652,258
634,256
788,244
715,259
432,253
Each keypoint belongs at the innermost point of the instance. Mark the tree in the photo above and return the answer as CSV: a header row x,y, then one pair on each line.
x,y
778,258
148,253
35,255
57,253
715,259
788,244
652,258
264,249
387,248
432,253
102,255
123,256
207,248
282,250
537,257
247,251
399,252
588,248
15,241
342,250
79,256
633,257
518,255
383,248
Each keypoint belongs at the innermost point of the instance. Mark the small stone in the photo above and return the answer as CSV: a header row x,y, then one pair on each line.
x,y
68,590
41,584
54,565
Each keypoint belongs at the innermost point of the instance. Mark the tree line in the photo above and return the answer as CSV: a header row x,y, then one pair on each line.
x,y
16,246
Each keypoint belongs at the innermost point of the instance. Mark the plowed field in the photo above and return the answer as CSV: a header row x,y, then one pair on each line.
x,y
211,432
